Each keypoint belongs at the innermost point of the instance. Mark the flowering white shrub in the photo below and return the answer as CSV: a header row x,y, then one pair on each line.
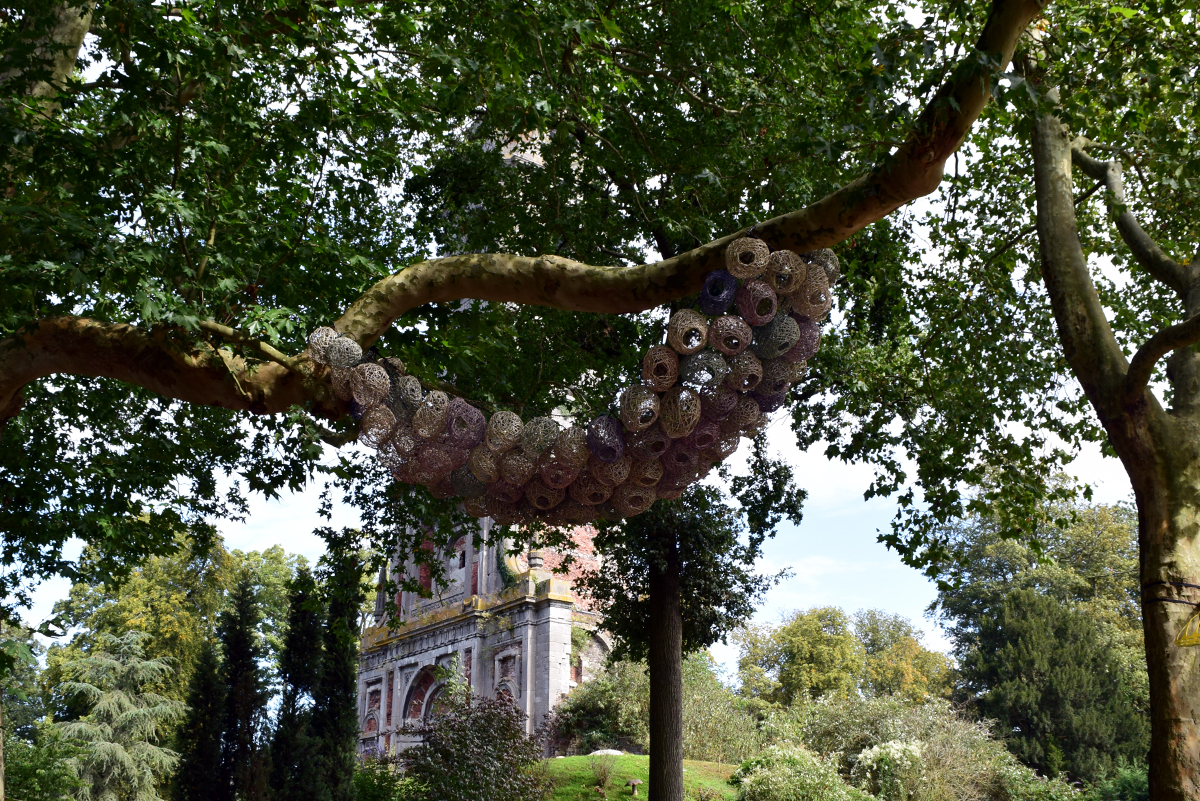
x,y
792,773
891,770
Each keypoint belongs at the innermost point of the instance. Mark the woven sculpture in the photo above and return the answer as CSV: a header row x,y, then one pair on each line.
x,y
703,370
516,467
660,368
680,458
745,371
746,257
357,410
538,435
704,435
342,352
720,288
369,384
503,431
435,459
506,490
377,427
814,300
430,419
778,376
554,471
769,403
571,511
405,397
808,343
645,473
729,334
572,447
465,424
610,474
587,490
722,449
756,301
785,271
745,415
443,489
605,439
476,507
680,412
717,403
542,497
404,440
629,499
466,485
482,463
687,332
339,381
828,262
639,408
776,337
320,338
648,444
506,513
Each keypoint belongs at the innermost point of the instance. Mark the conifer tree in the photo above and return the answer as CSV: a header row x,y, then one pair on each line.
x,y
295,774
244,769
198,777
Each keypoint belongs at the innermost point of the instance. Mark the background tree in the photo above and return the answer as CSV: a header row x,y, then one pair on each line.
x,y
295,753
810,654
198,776
895,662
245,763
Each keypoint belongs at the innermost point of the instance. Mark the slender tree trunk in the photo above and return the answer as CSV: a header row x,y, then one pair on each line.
x,y
1,753
666,680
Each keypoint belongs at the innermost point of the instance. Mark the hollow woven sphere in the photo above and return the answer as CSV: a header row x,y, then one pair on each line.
x,y
339,381
369,384
745,415
702,370
342,352
466,485
573,511
722,449
630,499
442,489
720,288
745,371
785,271
645,473
605,438
639,408
318,341
687,332
394,367
828,262
586,489
668,494
756,302
704,435
660,368
503,431
430,419
680,412
405,397
516,467
435,459
506,491
776,337
729,334
538,435
610,474
377,427
769,403
404,440
716,403
506,513
542,497
554,471
814,300
475,507
680,458
778,376
481,461
746,257
464,424
648,444
807,344
571,446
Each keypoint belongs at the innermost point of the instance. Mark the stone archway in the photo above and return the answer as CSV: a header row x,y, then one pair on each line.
x,y
423,689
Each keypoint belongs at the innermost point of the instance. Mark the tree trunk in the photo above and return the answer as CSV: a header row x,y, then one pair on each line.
x,y
1,753
666,679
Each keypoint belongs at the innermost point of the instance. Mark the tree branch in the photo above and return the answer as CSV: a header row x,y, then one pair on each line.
x,y
1175,337
242,338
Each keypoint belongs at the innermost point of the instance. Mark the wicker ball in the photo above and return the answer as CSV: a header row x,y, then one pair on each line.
x,y
730,334
610,474
756,301
769,403
571,446
342,352
778,375
542,497
506,513
605,438
680,458
722,449
630,499
703,370
443,488
430,419
639,408
435,459
554,471
720,288
538,435
645,473
745,371
660,368
377,427
704,435
405,397
776,337
339,381
393,365
357,410
716,403
785,305
506,491
404,469
481,461
574,512
318,341
745,415
475,507
404,439
808,343
668,494
828,262
503,431
587,490
648,444
464,424
746,257
785,271
687,332
466,485
369,383
680,412
516,467
814,300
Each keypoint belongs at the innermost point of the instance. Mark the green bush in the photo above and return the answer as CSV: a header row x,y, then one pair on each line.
x,y
40,770
792,773
892,771
1131,783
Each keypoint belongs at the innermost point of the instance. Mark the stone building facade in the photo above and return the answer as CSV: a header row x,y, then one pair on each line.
x,y
511,626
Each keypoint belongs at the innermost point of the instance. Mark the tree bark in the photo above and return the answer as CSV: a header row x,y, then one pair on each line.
x,y
666,678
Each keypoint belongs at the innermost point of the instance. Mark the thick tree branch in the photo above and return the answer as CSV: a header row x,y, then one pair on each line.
x,y
242,338
1142,367
56,52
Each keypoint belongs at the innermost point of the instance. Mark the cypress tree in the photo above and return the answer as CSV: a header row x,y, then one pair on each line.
x,y
244,769
198,777
295,769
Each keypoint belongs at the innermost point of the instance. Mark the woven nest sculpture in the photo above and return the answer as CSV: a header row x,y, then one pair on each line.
x,y
746,257
339,381
718,402
465,424
785,271
687,331
808,343
606,439
506,513
778,376
660,368
756,302
645,473
554,471
745,371
776,337
769,403
648,444
571,447
680,458
434,459
404,440
639,408
466,485
475,507
704,435
482,462
828,261
729,334
429,422
320,338
542,497
516,467
571,511
589,491
376,428
610,474
506,490
629,499
369,384
342,352
680,412
538,435
745,415
443,489
720,288
703,370
814,300
722,449
503,431
405,397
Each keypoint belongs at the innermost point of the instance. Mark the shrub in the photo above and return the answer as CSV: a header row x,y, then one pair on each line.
x,y
40,770
792,773
602,766
891,771
1131,783
377,778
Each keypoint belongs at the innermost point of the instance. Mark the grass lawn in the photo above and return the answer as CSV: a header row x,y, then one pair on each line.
x,y
573,780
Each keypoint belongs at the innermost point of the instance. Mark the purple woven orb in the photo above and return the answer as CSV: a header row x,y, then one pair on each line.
x,y
464,424
648,444
605,439
680,458
555,472
757,302
704,436
717,403
769,403
720,288
506,491
809,342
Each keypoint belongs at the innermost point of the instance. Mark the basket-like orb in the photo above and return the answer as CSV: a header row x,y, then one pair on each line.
x,y
680,458
339,381
342,352
588,490
405,397
814,300
745,371
785,271
394,367
660,368
571,447
404,439
680,412
648,444
716,403
730,334
442,489
503,431
807,344
466,485
574,512
722,449
746,257
475,507
639,407
744,416
542,497
481,461
828,262
430,419
435,459
369,384
776,337
606,438
318,341
704,435
720,288
465,424
645,473
756,302
702,370
778,376
377,427
630,499
610,474
506,491
538,435
668,494
554,471
769,403
516,467
506,513
687,331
